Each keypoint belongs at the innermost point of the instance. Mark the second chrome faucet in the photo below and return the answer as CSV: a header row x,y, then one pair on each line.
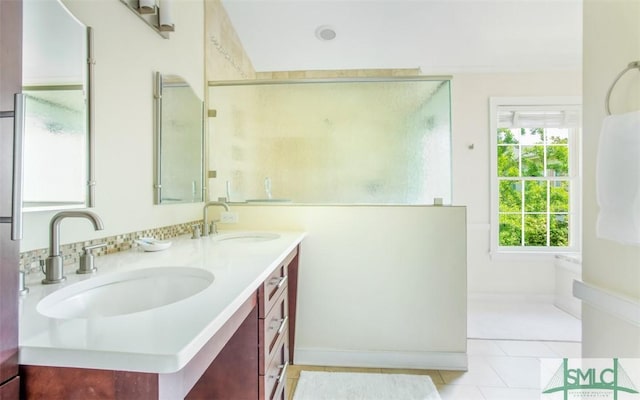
x,y
205,230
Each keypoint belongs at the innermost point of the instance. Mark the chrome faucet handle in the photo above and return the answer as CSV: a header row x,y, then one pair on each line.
x,y
87,259
213,228
195,231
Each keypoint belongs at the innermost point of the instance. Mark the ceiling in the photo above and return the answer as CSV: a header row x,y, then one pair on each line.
x,y
438,36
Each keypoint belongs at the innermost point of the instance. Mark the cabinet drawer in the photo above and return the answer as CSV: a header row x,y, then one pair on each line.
x,y
10,390
273,286
272,328
276,372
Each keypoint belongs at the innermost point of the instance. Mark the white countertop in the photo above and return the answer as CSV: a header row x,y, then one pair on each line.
x,y
164,339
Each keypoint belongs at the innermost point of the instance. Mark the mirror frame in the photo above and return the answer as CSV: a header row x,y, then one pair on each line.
x,y
91,143
157,146
90,187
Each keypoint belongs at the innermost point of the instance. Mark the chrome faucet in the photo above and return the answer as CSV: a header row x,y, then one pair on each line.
x,y
205,231
53,265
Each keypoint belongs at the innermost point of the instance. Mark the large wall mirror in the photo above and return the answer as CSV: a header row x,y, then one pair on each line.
x,y
58,142
179,142
367,141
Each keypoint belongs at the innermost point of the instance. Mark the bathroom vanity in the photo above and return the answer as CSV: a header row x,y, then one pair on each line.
x,y
231,340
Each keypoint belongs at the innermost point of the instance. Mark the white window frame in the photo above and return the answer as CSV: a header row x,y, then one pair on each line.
x,y
575,180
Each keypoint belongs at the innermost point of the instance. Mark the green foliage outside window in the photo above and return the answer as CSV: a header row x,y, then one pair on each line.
x,y
533,169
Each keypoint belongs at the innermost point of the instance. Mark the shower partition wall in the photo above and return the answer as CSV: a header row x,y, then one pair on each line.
x,y
369,141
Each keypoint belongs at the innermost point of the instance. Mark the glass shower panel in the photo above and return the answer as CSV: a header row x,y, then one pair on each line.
x,y
344,142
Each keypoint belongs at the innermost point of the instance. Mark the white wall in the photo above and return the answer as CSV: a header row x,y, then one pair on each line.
x,y
127,53
611,41
379,286
471,179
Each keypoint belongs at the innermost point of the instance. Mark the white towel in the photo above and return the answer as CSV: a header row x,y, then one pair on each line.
x,y
618,179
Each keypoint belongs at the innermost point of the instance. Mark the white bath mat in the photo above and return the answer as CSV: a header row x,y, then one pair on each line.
x,y
314,385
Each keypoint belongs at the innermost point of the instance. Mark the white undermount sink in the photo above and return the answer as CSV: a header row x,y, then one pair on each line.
x,y
246,237
121,293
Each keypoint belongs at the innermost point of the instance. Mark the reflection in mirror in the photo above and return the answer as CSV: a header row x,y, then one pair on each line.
x,y
58,125
55,140
368,141
179,141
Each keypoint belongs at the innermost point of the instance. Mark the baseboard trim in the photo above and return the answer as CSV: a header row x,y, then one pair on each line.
x,y
511,297
611,303
570,306
455,361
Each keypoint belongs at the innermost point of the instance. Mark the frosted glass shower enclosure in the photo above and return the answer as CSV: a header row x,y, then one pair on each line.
x,y
369,141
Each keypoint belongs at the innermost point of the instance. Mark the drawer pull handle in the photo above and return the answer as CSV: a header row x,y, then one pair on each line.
x,y
18,166
281,282
283,373
283,322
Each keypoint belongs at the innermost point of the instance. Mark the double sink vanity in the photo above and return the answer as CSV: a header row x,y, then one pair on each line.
x,y
206,318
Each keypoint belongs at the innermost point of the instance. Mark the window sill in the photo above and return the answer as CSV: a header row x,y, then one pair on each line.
x,y
529,255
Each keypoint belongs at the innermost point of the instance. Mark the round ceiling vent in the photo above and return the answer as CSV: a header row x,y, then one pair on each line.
x,y
325,33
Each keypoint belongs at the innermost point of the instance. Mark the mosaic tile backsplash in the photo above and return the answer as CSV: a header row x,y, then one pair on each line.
x,y
30,260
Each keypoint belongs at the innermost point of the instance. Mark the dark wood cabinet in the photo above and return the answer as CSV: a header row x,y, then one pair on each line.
x,y
86,384
273,333
247,357
10,390
10,84
232,375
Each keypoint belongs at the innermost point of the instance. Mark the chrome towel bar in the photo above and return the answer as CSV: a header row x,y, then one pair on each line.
x,y
632,65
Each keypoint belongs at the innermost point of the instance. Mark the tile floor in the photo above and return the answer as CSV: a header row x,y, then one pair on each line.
x,y
520,320
498,369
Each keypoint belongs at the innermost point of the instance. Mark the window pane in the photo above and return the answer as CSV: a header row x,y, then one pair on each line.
x,y
510,230
535,196
534,182
532,136
557,135
559,230
559,192
507,136
508,161
535,230
558,160
510,196
532,160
